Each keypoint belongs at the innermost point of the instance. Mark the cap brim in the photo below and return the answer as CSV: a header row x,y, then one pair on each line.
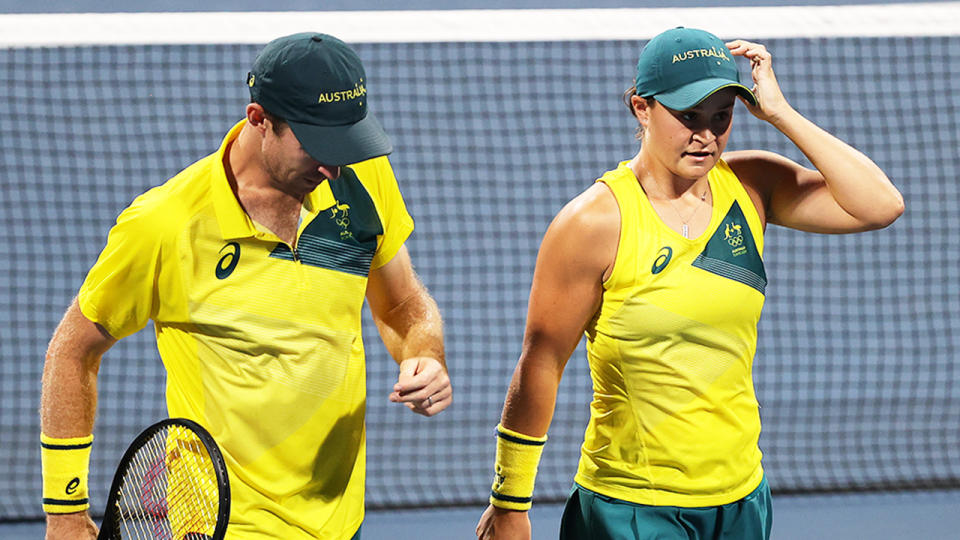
x,y
343,145
689,95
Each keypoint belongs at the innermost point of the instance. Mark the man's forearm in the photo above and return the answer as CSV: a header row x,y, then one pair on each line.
x,y
414,328
68,398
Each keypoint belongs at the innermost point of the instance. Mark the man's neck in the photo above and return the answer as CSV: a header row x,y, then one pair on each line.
x,y
267,205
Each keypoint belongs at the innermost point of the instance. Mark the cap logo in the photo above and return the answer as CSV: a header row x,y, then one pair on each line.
x,y
317,84
357,91
700,53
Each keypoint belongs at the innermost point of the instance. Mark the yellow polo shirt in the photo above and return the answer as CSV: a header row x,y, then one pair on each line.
x,y
261,343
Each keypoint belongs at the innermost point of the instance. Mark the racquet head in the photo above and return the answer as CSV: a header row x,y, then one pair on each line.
x,y
171,484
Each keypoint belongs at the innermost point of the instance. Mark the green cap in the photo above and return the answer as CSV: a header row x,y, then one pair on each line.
x,y
684,66
317,84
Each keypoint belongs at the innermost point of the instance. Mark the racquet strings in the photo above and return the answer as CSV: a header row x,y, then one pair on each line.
x,y
169,489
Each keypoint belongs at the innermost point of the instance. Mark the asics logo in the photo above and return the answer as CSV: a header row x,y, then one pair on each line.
x,y
72,486
229,261
662,260
498,478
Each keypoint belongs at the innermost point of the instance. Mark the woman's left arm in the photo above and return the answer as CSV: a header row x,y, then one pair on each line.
x,y
847,192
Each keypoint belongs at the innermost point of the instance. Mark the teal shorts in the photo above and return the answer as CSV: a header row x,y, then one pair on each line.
x,y
591,516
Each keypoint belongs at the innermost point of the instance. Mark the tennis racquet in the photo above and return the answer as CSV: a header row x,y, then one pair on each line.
x,y
171,484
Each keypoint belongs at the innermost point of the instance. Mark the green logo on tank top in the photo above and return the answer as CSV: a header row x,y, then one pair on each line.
x,y
732,253
662,260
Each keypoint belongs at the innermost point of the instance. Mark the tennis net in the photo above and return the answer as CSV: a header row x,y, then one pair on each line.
x,y
499,118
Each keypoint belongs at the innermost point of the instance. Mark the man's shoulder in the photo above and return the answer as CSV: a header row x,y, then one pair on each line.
x,y
374,177
373,172
177,200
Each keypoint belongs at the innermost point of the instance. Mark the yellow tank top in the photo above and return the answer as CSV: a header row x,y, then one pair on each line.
x,y
674,420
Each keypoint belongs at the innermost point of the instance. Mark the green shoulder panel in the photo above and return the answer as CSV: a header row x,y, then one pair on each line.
x,y
344,236
732,253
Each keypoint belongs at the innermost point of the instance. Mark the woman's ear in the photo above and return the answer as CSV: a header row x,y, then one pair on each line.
x,y
640,109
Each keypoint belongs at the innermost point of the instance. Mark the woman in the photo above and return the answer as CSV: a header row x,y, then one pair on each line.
x,y
660,264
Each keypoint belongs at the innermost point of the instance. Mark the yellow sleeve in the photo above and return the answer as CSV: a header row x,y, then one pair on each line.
x,y
377,176
119,292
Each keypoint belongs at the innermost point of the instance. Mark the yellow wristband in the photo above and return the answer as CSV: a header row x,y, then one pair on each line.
x,y
518,456
65,464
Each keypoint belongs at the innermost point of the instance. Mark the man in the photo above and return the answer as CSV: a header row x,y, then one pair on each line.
x,y
253,264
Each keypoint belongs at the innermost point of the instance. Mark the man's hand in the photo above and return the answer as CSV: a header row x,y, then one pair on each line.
x,y
499,524
76,526
423,386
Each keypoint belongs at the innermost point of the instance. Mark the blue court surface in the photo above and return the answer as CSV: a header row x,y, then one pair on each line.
x,y
886,516
871,516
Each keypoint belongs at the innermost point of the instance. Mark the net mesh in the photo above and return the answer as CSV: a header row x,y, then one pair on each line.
x,y
856,369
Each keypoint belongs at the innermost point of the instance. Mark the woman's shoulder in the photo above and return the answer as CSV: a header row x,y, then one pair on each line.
x,y
595,207
584,235
589,222
760,171
757,165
